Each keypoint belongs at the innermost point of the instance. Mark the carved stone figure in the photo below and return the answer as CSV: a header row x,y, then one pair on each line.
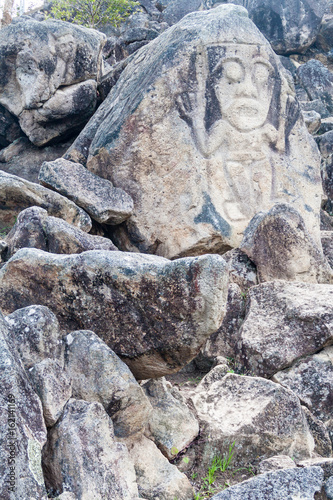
x,y
203,130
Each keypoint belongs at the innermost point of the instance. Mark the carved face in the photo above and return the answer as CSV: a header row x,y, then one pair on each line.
x,y
244,89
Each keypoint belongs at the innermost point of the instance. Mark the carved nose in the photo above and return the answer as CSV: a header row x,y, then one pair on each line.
x,y
247,88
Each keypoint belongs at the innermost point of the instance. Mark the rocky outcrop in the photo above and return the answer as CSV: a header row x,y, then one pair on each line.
x,y
288,483
49,73
107,380
259,417
318,83
22,428
16,194
82,456
279,244
281,326
98,197
35,229
178,133
155,314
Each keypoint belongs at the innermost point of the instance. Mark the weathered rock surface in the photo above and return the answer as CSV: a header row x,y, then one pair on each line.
x,y
34,332
35,229
99,375
156,477
22,429
184,133
322,440
327,244
242,271
311,379
53,388
155,314
103,202
279,244
318,83
287,483
172,426
284,322
9,127
329,488
49,78
276,463
312,120
24,159
16,194
262,419
325,463
82,457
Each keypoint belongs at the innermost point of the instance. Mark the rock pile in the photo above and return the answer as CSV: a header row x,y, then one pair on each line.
x,y
185,228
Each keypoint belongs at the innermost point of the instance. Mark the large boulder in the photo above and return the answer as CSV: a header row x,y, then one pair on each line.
x,y
317,80
35,229
287,484
16,194
311,379
185,134
279,244
289,25
284,322
22,428
258,416
154,314
82,456
49,71
99,375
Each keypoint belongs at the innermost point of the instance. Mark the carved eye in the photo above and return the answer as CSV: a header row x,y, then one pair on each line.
x,y
233,71
261,72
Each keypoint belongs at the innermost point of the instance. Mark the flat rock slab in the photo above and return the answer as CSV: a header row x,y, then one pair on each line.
x,y
16,194
262,419
97,196
285,484
153,313
203,130
285,321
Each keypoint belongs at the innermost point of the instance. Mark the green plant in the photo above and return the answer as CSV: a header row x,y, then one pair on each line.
x,y
93,13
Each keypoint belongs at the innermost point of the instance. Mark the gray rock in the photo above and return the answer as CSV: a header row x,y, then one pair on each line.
x,y
50,72
242,271
316,105
99,375
103,202
9,127
175,134
327,244
156,477
175,10
311,379
329,488
312,120
325,35
325,463
284,322
172,426
260,417
276,463
325,143
289,25
23,159
82,456
326,224
22,429
281,247
155,314
322,440
35,229
17,194
287,484
318,83
34,332
53,388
